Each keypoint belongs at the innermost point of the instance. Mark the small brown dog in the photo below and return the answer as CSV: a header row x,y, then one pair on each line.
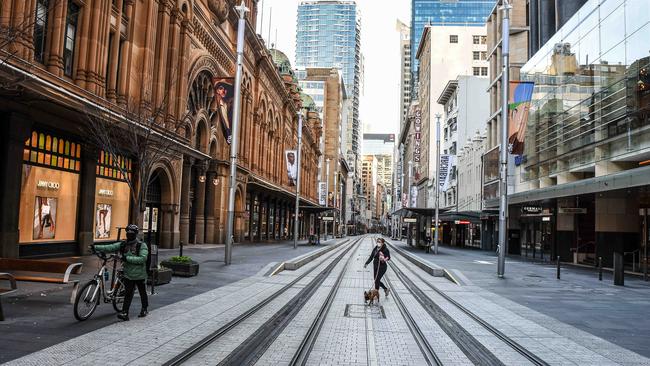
x,y
370,296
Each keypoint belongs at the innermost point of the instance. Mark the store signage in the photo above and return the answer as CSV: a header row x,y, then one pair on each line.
x,y
531,210
410,219
417,125
546,219
105,192
572,210
461,222
47,184
327,218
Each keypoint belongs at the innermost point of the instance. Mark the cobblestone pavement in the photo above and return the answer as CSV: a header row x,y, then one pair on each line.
x,y
352,333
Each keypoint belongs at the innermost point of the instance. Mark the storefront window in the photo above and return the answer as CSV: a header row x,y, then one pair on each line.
x,y
49,189
112,195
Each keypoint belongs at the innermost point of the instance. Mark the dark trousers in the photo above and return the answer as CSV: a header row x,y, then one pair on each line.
x,y
382,270
129,291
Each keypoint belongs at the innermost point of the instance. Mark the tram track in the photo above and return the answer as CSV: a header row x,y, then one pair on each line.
x,y
251,349
470,346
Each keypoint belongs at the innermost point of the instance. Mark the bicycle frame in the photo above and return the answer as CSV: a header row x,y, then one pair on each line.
x,y
107,295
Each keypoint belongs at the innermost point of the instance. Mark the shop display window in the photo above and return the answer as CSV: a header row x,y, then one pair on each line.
x,y
112,196
114,166
50,151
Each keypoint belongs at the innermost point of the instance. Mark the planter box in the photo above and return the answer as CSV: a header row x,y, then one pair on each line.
x,y
182,269
161,277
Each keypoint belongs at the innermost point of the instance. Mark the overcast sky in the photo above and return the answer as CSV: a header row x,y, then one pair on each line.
x,y
379,104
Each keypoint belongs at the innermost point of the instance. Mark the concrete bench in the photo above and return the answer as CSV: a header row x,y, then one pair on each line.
x,y
6,290
53,272
428,267
295,263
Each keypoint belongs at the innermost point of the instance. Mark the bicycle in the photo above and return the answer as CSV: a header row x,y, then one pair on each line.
x,y
90,295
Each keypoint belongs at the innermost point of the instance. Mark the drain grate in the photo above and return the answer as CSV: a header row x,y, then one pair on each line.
x,y
364,311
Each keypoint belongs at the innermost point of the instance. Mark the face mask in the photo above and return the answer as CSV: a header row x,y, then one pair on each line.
x,y
378,245
131,236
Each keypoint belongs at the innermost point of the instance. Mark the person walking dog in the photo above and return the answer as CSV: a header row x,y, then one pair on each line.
x,y
379,256
134,254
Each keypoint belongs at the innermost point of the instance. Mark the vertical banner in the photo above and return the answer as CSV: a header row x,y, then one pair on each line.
x,y
322,193
405,200
292,168
444,171
414,196
221,106
417,125
520,95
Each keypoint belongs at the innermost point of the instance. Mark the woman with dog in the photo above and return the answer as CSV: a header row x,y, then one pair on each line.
x,y
379,257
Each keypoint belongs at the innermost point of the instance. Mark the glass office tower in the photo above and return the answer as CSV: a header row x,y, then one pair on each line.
x,y
444,12
328,35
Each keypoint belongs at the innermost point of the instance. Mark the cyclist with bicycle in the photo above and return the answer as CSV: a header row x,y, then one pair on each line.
x,y
134,258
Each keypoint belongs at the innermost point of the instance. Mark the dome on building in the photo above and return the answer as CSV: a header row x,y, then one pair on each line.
x,y
307,102
281,61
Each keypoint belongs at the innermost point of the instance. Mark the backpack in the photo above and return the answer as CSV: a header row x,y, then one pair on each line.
x,y
137,249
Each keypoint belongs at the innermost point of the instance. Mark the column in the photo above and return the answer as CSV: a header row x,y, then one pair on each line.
x,y
199,201
185,200
85,229
18,129
55,55
209,203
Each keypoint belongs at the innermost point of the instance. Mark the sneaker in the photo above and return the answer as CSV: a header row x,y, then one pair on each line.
x,y
143,313
386,292
123,316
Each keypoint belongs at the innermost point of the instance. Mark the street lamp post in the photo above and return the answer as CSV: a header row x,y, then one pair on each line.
x,y
437,182
295,220
230,222
409,238
327,190
503,183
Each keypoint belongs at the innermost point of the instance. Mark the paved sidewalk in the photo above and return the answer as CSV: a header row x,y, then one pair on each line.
x,y
617,314
40,315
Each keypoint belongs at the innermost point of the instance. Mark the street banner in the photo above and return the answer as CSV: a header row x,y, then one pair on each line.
x,y
221,106
444,171
405,200
292,168
414,196
322,193
520,95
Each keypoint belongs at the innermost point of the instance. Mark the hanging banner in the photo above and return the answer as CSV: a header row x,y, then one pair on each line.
x,y
405,200
520,95
221,106
322,193
417,125
444,171
414,196
292,168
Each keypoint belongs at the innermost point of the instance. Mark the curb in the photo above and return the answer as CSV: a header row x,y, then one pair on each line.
x,y
428,267
297,262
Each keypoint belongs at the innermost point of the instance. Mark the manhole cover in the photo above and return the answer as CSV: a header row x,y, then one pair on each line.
x,y
364,311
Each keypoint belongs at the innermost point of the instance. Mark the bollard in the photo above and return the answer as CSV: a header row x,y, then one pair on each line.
x,y
600,268
558,267
180,254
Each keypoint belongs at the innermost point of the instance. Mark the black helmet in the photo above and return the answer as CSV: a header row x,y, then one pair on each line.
x,y
132,228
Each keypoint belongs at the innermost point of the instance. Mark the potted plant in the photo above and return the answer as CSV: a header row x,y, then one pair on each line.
x,y
182,266
161,276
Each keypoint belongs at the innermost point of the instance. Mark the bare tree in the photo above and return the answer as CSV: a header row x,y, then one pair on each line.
x,y
148,135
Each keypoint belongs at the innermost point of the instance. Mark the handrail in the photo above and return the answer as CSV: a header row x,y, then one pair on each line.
x,y
9,277
68,271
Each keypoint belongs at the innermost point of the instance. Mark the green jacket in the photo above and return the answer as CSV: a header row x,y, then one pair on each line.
x,y
135,264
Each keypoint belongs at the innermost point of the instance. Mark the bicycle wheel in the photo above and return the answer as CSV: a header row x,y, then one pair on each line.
x,y
118,297
87,300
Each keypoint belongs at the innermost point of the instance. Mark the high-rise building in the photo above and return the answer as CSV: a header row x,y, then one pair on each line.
x,y
328,35
405,69
444,12
545,17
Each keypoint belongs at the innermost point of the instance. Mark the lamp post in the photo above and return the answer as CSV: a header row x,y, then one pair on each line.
x,y
437,181
409,238
295,220
503,176
327,190
241,27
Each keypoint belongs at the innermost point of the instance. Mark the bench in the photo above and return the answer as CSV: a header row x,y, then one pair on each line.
x,y
6,290
31,270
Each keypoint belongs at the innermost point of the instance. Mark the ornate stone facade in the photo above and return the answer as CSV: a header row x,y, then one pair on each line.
x,y
64,58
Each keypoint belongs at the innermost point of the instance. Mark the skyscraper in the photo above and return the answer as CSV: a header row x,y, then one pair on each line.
x,y
328,35
444,12
405,69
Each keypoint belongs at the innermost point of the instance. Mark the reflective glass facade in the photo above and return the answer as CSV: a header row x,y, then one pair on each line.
x,y
590,114
445,12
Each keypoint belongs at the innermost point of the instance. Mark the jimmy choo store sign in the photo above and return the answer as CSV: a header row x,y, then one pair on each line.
x,y
47,184
105,192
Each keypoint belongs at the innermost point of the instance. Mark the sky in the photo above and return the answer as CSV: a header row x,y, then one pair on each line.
x,y
379,103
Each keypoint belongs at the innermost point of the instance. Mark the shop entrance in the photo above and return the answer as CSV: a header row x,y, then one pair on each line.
x,y
151,222
644,252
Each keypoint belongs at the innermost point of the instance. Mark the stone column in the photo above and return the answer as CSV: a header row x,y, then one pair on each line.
x,y
185,200
209,203
18,129
167,227
87,199
199,201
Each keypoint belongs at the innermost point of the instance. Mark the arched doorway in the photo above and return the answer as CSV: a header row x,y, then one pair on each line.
x,y
152,212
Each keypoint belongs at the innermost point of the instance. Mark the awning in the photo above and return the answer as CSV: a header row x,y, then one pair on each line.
x,y
419,211
281,192
317,209
471,216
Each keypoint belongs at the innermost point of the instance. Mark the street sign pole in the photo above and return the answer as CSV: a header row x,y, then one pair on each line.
x,y
503,191
230,220
437,182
